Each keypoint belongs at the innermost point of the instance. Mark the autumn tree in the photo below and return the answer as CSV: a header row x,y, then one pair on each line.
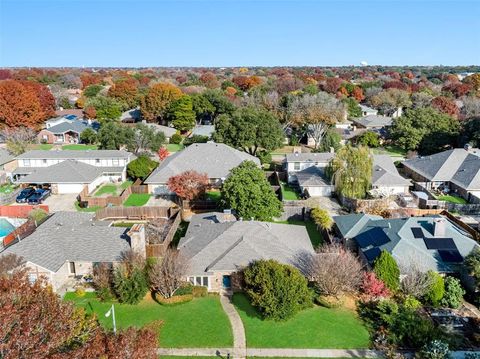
x,y
317,113
445,105
189,184
163,153
351,171
245,83
156,102
335,270
250,130
373,288
209,79
19,105
44,96
473,80
126,91
391,100
167,274
332,85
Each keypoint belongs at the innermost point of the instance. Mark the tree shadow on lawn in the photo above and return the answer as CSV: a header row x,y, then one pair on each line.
x,y
242,304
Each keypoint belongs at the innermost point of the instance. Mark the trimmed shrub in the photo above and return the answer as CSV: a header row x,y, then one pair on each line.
x,y
186,289
176,139
322,218
130,286
141,167
436,289
176,299
373,287
278,290
199,291
386,269
454,292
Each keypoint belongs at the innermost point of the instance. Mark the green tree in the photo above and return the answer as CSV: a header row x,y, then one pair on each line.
x,y
141,167
471,131
88,136
353,108
202,107
221,104
322,218
144,138
424,129
472,265
331,140
248,192
454,292
181,114
369,138
278,291
436,289
130,285
249,129
106,108
351,171
92,90
112,136
386,269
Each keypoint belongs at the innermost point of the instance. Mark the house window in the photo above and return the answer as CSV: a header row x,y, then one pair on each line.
x,y
115,163
198,281
191,280
26,163
205,282
296,166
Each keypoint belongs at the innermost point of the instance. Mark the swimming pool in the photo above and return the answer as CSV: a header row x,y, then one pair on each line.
x,y
5,227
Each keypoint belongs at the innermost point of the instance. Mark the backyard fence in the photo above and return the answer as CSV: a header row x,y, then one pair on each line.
x,y
87,200
21,232
158,250
8,198
141,213
20,211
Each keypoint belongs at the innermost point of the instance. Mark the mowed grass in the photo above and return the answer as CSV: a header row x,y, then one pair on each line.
x,y
88,209
288,193
213,195
391,150
316,327
315,236
172,147
452,199
106,189
137,200
79,147
42,146
199,323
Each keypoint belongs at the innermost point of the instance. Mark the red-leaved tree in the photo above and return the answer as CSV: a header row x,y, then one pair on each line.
x,y
189,184
163,153
372,287
445,105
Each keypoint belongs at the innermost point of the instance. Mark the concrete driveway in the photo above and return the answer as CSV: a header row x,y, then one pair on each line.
x,y
61,202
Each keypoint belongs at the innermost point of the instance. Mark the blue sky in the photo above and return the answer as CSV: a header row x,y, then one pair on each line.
x,y
238,33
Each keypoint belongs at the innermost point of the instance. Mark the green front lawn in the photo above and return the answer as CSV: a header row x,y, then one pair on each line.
x,y
137,200
289,194
172,147
7,188
391,150
110,189
79,147
316,327
314,234
42,146
452,199
200,323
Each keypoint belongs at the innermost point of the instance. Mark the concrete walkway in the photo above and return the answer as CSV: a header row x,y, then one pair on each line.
x,y
239,340
260,352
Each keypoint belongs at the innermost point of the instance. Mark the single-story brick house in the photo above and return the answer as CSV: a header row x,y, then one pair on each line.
x,y
218,247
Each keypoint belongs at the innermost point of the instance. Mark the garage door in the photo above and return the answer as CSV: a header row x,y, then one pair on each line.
x,y
320,191
70,188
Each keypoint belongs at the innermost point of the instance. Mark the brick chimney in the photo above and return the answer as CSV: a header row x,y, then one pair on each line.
x,y
137,239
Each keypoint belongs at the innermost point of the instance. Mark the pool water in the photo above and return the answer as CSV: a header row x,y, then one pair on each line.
x,y
5,227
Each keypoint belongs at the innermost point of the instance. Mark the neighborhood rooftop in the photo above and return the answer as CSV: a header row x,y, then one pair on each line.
x,y
71,236
74,154
373,121
309,157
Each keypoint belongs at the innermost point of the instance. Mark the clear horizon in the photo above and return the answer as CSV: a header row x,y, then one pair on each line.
x,y
238,33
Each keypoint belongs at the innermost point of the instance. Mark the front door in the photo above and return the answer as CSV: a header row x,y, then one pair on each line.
x,y
227,281
71,268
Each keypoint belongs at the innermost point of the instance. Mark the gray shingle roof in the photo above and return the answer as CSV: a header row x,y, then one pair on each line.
x,y
215,246
457,165
69,126
385,173
312,176
73,154
5,156
214,159
167,131
68,171
396,237
309,157
203,130
367,109
373,121
71,236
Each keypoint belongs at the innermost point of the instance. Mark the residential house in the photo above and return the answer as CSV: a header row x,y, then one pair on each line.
x,y
64,130
203,130
68,245
373,122
7,164
214,159
456,170
434,243
78,113
308,171
131,116
368,111
218,247
386,180
167,131
70,171
60,119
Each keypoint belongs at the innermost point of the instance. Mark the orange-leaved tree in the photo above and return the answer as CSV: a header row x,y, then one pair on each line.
x,y
189,184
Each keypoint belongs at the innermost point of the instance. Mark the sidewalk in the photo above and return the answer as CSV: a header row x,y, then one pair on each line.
x,y
272,352
239,340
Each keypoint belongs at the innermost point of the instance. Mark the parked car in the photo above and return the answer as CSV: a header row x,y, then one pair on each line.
x,y
25,194
39,196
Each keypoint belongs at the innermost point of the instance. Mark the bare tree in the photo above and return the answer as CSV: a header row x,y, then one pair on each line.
x,y
167,275
10,263
415,281
471,107
317,112
18,139
335,270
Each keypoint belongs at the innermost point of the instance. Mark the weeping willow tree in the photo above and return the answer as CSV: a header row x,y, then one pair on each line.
x,y
351,171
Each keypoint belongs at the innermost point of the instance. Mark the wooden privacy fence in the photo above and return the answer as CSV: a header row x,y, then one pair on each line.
x,y
135,212
21,232
21,211
10,197
157,250
92,201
